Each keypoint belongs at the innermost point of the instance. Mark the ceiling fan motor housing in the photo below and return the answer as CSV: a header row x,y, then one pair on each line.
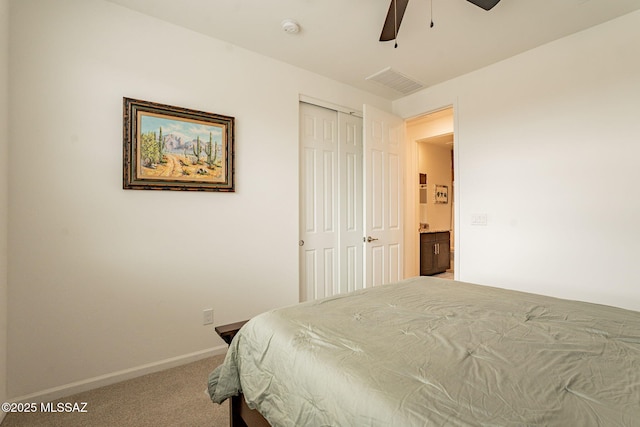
x,y
485,4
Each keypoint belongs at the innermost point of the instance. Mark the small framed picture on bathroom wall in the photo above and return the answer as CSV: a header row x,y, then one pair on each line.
x,y
441,194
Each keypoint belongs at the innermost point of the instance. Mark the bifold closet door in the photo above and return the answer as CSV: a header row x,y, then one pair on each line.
x,y
351,205
331,247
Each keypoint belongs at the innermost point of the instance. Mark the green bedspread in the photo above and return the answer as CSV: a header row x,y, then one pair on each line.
x,y
427,351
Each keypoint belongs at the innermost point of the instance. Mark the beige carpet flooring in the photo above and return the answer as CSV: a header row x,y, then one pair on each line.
x,y
174,397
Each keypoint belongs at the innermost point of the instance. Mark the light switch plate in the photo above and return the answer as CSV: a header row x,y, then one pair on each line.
x,y
207,316
479,219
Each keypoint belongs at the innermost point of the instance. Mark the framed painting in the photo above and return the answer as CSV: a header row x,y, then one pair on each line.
x,y
174,148
441,194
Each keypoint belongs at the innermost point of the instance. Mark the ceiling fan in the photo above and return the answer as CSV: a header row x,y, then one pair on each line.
x,y
396,12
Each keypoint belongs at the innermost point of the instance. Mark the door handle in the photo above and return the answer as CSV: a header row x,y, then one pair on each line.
x,y
371,239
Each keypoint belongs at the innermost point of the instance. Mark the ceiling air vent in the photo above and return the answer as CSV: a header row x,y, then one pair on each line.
x,y
396,81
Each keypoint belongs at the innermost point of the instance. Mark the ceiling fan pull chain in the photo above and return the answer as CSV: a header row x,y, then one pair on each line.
x,y
395,24
432,24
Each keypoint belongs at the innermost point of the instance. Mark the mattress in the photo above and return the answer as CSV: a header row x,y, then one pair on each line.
x,y
428,351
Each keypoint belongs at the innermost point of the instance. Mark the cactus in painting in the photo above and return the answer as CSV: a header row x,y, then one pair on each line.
x,y
197,150
207,149
212,152
161,147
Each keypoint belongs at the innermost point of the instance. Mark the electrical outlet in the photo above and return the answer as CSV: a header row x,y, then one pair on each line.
x,y
207,316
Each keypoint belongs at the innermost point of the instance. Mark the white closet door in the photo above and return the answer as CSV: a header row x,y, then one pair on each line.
x,y
319,202
331,216
383,196
351,214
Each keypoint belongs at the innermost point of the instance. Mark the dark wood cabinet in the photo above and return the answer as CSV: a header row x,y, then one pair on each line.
x,y
435,256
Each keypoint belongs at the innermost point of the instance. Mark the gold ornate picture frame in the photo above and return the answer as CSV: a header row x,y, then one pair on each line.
x,y
175,148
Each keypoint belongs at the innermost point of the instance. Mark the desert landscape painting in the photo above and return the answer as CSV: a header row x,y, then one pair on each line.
x,y
180,149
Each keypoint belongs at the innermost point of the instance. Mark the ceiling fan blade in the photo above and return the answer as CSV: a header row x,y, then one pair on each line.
x,y
485,4
394,18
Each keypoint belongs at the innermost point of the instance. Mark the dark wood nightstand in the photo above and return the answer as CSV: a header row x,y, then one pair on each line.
x,y
227,332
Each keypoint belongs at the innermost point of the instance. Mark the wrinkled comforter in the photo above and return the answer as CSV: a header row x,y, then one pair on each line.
x,y
427,351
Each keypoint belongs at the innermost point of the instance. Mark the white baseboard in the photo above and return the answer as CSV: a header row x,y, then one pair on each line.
x,y
116,377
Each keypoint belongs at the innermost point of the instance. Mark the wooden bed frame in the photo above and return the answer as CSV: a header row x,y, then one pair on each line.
x,y
240,415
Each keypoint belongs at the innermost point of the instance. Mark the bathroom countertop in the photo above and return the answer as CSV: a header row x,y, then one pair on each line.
x,y
433,231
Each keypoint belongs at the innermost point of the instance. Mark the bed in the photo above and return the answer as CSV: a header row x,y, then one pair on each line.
x,y
429,351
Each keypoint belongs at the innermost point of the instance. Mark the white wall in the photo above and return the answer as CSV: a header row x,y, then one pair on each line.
x,y
547,146
104,280
4,191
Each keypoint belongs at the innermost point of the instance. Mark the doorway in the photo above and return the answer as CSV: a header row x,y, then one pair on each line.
x,y
431,181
